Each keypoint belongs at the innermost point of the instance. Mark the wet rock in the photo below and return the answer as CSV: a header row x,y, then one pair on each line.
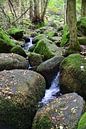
x,y
62,113
50,67
12,61
20,91
73,74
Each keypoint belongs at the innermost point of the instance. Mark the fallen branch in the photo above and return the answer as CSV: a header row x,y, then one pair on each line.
x,y
21,16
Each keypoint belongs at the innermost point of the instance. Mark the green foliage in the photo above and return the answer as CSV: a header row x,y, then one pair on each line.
x,y
65,36
6,38
14,30
82,22
82,122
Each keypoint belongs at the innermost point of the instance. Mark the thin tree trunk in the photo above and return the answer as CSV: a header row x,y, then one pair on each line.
x,y
71,21
44,11
83,8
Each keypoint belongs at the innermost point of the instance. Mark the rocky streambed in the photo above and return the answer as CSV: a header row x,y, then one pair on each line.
x,y
32,74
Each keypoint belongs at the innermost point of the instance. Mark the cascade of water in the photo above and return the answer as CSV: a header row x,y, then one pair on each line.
x,y
52,92
28,44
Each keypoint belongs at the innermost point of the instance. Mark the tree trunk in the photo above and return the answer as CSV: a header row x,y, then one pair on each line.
x,y
71,21
83,8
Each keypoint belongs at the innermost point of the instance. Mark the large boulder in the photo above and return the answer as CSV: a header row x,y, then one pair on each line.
x,y
12,61
20,92
49,68
62,113
73,74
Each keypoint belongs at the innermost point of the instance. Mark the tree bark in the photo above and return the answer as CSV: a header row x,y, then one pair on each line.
x,y
83,8
71,21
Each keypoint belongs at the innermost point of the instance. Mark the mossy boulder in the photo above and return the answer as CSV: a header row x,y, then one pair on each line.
x,y
62,113
35,59
12,61
18,50
47,48
49,68
5,42
16,33
81,25
43,49
20,92
73,74
82,122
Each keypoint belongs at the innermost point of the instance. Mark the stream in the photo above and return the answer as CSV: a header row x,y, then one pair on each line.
x,y
54,89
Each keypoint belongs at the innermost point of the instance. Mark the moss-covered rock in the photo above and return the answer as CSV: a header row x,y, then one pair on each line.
x,y
20,91
73,74
62,113
34,59
12,61
48,49
43,49
82,122
18,50
5,42
81,25
16,33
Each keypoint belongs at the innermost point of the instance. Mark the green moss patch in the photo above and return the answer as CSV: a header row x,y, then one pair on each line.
x,y
6,38
82,122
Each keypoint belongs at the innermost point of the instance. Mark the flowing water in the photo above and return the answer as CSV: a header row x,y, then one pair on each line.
x,y
54,89
52,92
28,44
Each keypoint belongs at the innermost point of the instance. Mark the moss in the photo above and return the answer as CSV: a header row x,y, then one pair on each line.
x,y
65,36
6,38
74,61
42,123
18,50
43,49
16,33
82,122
